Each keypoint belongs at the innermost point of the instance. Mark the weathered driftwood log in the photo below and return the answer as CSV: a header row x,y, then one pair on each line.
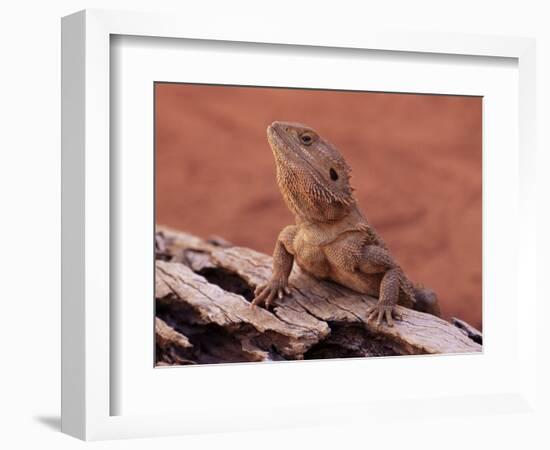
x,y
203,291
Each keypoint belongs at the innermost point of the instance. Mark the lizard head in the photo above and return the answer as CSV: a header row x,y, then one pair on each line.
x,y
312,174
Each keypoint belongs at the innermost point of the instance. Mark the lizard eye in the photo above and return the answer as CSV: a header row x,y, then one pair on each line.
x,y
306,139
333,174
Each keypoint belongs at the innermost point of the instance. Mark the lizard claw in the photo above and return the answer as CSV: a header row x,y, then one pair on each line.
x,y
266,293
381,312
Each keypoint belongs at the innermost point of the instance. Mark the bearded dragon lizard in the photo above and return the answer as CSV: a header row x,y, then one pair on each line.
x,y
331,238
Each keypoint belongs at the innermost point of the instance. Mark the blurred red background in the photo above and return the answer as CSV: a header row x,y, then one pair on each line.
x,y
416,163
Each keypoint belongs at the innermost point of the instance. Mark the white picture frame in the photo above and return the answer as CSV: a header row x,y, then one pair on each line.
x,y
88,328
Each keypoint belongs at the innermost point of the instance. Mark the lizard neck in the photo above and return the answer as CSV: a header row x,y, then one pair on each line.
x,y
321,233
351,219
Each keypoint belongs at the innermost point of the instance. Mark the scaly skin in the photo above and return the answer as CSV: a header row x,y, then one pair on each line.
x,y
332,238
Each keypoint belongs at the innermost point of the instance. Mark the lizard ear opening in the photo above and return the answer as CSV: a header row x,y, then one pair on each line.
x,y
333,174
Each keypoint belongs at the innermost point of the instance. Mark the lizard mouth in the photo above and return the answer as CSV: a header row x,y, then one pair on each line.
x,y
274,138
281,144
286,150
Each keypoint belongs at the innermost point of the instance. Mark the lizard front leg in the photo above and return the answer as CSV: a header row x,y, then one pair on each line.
x,y
389,294
283,259
376,259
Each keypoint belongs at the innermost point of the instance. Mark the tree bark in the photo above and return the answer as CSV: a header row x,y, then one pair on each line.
x,y
203,290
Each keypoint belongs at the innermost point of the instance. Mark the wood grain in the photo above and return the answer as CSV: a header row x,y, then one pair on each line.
x,y
203,291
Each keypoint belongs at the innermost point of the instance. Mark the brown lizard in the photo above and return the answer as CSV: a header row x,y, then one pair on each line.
x,y
332,238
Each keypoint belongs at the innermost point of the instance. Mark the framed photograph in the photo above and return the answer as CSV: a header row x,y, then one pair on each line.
x,y
300,197
258,226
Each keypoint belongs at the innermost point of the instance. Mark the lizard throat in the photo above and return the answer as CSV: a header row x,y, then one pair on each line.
x,y
309,200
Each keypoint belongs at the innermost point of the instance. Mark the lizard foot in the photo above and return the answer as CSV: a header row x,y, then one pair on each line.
x,y
266,293
381,312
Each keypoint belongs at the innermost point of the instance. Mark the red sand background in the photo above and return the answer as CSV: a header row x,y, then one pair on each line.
x,y
416,163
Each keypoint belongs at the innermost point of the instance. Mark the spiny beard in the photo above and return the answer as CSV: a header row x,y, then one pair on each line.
x,y
309,199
